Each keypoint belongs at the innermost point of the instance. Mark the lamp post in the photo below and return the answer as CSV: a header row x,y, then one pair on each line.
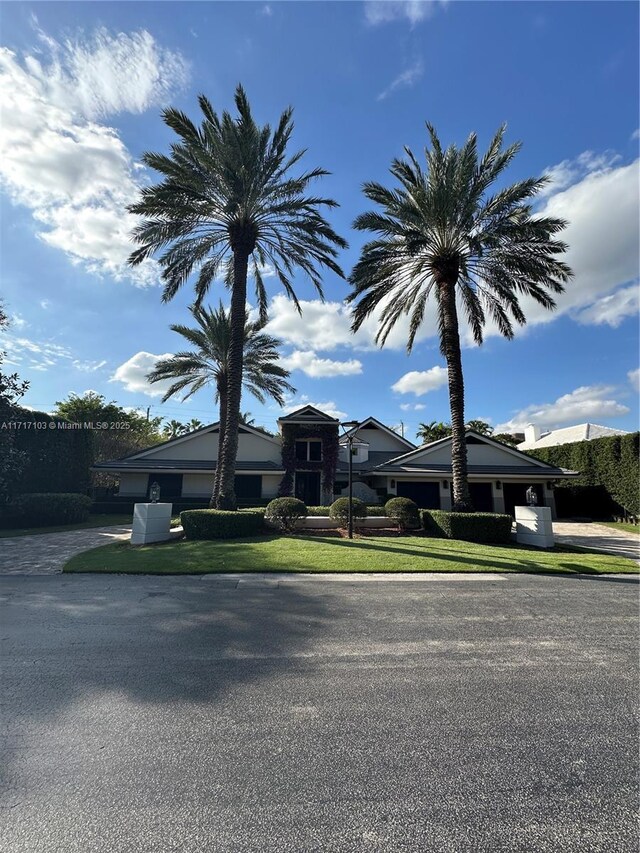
x,y
350,428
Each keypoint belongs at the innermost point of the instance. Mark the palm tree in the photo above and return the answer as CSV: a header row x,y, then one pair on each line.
x,y
172,429
433,431
194,424
440,234
208,364
228,203
247,418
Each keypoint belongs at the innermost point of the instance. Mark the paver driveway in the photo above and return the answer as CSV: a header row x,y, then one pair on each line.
x,y
46,553
163,714
598,537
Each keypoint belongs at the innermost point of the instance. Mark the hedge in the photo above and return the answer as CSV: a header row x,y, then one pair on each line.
x,y
316,511
339,510
404,511
284,512
221,524
612,463
40,510
487,527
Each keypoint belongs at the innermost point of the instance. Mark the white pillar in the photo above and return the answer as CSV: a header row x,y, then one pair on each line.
x,y
151,523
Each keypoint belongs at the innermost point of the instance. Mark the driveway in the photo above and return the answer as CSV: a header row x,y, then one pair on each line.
x,y
492,713
46,553
598,537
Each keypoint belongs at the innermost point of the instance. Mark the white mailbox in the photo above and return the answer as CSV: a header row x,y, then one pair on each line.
x,y
151,523
534,526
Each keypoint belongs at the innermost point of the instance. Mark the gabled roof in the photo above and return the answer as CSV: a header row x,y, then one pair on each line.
x,y
307,415
374,423
428,448
181,439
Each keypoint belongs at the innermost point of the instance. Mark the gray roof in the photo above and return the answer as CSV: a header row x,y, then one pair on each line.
x,y
150,464
493,470
308,414
376,457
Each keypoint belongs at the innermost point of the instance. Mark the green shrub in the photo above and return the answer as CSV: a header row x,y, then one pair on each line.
x,y
339,510
377,509
403,511
317,511
41,510
284,512
221,524
487,527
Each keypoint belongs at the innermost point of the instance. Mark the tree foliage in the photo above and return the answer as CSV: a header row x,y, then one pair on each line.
x,y
228,204
442,236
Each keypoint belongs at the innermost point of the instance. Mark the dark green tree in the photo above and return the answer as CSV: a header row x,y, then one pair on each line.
x,y
228,203
441,238
207,364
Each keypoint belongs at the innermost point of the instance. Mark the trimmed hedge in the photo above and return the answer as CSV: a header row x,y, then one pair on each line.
x,y
339,509
221,524
404,511
284,512
41,510
612,463
487,527
316,511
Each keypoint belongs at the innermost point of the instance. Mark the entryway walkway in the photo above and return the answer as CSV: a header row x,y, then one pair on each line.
x,y
597,537
46,553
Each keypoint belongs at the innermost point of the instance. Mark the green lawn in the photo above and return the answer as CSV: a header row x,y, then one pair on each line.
x,y
97,520
622,525
302,553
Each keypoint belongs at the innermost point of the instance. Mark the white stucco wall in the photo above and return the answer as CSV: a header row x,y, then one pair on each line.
x,y
251,448
477,454
133,484
379,440
270,485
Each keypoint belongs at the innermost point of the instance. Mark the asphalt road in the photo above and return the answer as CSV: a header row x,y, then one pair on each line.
x,y
203,714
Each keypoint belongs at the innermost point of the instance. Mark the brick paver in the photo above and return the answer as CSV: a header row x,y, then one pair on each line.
x,y
597,537
46,553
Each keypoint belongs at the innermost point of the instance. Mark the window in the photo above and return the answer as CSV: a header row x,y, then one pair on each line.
x,y
309,450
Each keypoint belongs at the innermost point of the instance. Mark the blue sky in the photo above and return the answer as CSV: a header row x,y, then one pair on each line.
x,y
82,89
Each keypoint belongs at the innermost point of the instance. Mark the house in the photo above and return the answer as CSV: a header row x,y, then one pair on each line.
x,y
309,459
534,438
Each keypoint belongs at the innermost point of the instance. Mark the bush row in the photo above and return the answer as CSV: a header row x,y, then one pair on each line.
x,y
42,510
612,463
221,524
487,527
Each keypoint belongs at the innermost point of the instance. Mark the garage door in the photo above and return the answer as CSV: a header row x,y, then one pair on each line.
x,y
426,495
248,488
481,497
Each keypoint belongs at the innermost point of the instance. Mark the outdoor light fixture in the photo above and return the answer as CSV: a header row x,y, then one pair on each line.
x,y
392,484
154,493
498,484
549,485
350,428
445,484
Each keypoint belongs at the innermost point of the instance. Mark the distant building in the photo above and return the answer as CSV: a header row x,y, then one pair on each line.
x,y
534,438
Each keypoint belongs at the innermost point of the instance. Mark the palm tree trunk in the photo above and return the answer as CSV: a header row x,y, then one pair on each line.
x,y
226,493
222,398
450,345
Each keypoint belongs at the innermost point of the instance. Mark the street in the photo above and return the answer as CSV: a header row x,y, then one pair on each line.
x,y
484,713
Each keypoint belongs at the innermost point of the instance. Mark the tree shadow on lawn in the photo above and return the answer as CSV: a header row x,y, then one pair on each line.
x,y
75,646
512,562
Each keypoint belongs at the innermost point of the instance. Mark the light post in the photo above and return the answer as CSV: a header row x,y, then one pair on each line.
x,y
350,428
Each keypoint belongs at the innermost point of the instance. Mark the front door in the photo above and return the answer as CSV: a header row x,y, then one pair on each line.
x,y
481,497
308,487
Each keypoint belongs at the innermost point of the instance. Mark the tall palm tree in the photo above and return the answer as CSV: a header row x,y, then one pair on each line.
x,y
194,424
440,234
172,429
208,364
227,204
433,431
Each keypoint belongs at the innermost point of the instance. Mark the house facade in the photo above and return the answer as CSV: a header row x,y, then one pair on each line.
x,y
309,459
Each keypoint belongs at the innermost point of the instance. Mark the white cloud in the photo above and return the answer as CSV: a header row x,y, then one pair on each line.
x,y
636,134
133,374
612,310
569,172
383,11
308,362
420,382
412,407
329,407
75,174
634,378
45,304
88,366
33,355
17,321
266,10
587,403
406,79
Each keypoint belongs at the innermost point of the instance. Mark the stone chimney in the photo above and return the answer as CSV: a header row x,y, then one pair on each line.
x,y
531,433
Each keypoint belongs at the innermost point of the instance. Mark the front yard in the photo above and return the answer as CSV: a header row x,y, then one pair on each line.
x,y
306,553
